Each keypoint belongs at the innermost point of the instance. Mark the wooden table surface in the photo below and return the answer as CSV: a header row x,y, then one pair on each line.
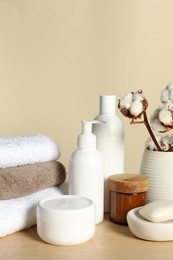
x,y
111,241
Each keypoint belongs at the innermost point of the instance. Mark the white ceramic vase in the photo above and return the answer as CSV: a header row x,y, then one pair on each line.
x,y
158,167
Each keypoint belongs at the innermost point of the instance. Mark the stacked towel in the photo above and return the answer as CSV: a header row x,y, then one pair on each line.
x,y
23,180
19,214
27,149
29,171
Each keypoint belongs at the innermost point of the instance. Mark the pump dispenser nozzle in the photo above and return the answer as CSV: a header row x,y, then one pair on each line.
x,y
87,139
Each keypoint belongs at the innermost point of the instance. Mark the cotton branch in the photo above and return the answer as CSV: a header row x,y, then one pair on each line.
x,y
150,131
133,105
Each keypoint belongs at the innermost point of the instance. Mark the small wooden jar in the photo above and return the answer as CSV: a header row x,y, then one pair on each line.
x,y
127,191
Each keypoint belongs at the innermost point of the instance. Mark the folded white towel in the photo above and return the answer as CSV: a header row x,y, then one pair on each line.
x,y
27,149
18,214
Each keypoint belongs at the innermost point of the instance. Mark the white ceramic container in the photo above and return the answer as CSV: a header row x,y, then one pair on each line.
x,y
158,167
66,220
147,230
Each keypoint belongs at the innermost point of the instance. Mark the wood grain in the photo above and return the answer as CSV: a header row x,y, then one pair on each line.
x,y
111,242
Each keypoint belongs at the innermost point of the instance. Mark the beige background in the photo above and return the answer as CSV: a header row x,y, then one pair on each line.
x,y
58,56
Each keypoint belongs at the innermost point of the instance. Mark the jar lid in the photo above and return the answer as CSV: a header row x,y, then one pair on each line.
x,y
128,183
66,209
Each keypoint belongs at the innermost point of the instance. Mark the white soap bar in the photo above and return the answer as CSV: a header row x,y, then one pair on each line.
x,y
158,211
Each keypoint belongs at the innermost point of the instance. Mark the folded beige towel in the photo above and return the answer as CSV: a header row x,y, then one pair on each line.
x,y
23,180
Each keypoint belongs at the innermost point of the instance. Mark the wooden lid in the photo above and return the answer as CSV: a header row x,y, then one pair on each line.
x,y
128,183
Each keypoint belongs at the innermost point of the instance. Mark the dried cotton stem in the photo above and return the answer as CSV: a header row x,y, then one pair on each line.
x,y
150,131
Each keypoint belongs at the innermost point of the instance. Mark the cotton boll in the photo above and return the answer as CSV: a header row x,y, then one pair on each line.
x,y
136,108
165,143
166,139
157,126
126,100
124,104
171,139
158,138
128,97
171,95
150,144
164,95
165,116
167,93
156,123
138,96
133,104
165,147
170,86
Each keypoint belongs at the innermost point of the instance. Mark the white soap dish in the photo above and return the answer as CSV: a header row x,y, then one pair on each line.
x,y
148,230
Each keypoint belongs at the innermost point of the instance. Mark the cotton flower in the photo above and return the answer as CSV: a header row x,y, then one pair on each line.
x,y
162,119
150,144
167,93
165,143
133,104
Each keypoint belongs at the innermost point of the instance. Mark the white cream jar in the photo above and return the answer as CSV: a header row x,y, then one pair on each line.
x,y
66,220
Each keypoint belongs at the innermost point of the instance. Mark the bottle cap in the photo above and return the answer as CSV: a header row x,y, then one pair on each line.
x,y
87,139
107,104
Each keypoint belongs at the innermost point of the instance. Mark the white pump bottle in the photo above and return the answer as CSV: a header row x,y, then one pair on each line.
x,y
110,141
86,169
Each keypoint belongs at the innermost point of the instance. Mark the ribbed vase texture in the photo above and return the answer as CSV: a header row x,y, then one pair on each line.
x,y
158,167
